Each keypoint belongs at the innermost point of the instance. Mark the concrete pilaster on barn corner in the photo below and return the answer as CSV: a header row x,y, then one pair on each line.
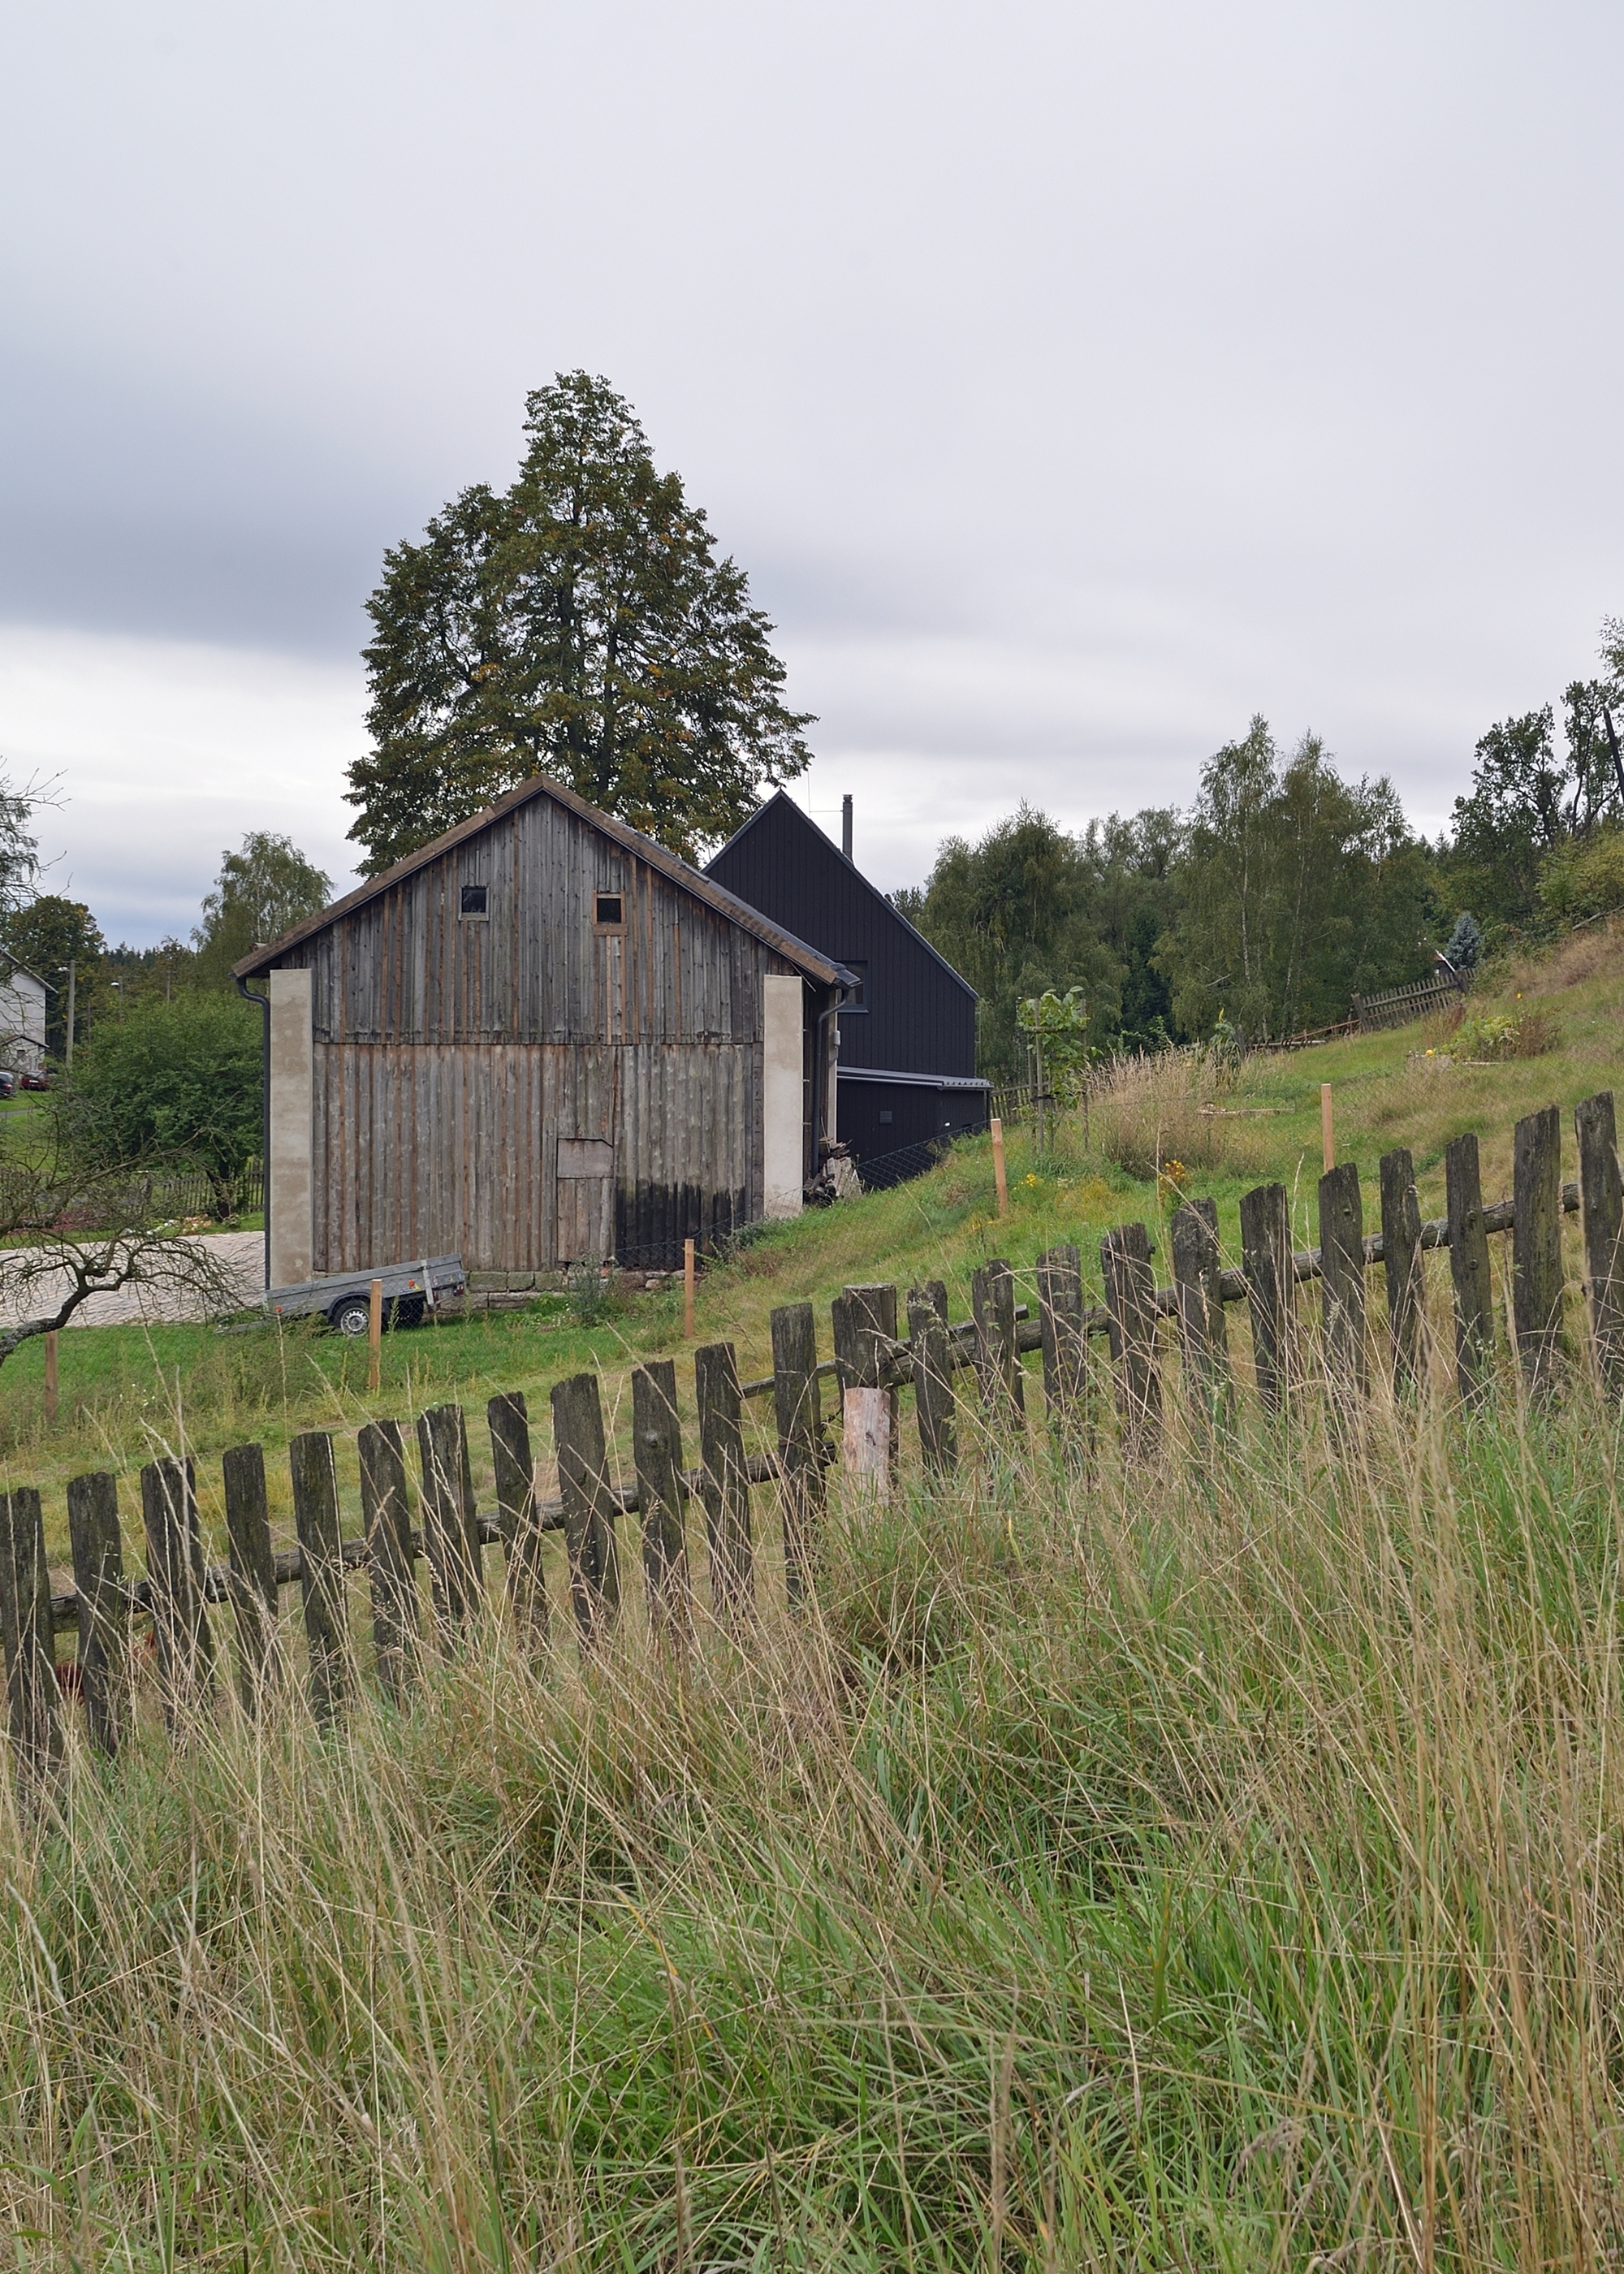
x,y
290,1181
783,1102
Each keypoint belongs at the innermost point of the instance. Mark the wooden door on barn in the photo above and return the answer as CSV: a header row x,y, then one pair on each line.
x,y
585,1205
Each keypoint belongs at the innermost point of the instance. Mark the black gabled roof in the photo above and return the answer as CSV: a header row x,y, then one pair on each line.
x,y
809,960
780,804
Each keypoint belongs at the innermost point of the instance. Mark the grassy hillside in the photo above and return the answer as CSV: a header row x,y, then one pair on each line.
x,y
1212,1865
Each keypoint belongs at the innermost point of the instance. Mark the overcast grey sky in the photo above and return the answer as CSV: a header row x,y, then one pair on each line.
x,y
1073,381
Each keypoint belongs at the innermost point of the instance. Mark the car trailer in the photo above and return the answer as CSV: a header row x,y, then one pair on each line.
x,y
344,1299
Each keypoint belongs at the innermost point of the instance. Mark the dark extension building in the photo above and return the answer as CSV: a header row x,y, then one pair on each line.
x,y
907,1043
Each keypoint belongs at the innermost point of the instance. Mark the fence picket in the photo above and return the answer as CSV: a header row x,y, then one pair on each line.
x,y
103,1608
863,1317
253,1566
657,1452
386,1513
933,1385
797,1410
322,1571
1602,1201
590,1508
34,1709
1469,1269
1065,1353
1271,1292
1401,1256
1342,1285
997,1358
1536,1247
1131,1301
508,1420
175,1571
724,1480
1197,1273
450,1529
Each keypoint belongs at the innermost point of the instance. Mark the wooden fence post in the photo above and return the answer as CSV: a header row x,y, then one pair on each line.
x,y
1536,1247
862,1316
1001,1183
997,1358
933,1385
724,1480
175,1574
103,1608
1342,1285
450,1529
1599,1188
1065,1352
1197,1272
1469,1268
321,1574
34,1709
509,1422
255,1596
1130,1301
657,1455
1271,1292
797,1410
386,1512
1400,1254
590,1508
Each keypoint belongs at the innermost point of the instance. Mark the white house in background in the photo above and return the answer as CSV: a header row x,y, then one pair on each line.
x,y
22,1019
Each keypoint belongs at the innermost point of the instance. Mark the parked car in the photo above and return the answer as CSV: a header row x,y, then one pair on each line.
x,y
8,1082
40,1081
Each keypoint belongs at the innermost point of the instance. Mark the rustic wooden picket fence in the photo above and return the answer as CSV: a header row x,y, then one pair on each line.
x,y
871,1363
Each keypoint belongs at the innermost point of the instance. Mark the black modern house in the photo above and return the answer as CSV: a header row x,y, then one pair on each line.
x,y
907,1039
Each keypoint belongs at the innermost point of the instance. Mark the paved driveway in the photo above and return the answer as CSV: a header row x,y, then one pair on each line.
x,y
242,1254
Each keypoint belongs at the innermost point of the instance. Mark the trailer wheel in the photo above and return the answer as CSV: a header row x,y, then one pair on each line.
x,y
352,1316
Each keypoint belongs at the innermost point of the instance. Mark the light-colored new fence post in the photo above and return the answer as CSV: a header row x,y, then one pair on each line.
x,y
1602,1195
1000,1174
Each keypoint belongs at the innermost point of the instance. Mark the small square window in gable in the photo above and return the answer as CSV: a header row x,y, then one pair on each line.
x,y
609,911
474,900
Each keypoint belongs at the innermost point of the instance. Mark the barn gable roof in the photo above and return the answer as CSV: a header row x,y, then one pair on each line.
x,y
781,810
805,960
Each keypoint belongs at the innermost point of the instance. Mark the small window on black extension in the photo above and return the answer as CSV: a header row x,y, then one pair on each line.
x,y
611,911
857,999
476,900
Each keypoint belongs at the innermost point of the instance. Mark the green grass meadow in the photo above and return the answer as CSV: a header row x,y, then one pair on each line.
x,y
1210,1861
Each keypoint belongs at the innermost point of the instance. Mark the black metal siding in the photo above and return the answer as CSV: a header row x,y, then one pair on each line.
x,y
920,1015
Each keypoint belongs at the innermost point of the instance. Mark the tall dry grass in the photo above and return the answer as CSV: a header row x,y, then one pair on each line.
x,y
1211,1862
1173,1105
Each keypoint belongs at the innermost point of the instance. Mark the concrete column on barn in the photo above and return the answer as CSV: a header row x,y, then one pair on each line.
x,y
782,1101
289,1174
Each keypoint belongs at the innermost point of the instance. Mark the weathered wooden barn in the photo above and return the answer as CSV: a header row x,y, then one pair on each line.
x,y
539,1040
907,1030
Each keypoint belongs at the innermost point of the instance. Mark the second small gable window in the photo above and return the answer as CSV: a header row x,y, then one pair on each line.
x,y
609,910
476,900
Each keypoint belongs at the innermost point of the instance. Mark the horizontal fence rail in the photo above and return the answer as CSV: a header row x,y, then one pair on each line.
x,y
882,1348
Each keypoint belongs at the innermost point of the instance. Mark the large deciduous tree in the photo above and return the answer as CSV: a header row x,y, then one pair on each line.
x,y
580,624
1296,890
262,891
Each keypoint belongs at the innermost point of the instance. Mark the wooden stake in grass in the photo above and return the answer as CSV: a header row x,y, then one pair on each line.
x,y
657,1452
1469,1266
51,1379
374,1336
1602,1192
1327,1129
1536,1247
1000,1176
327,1627
32,1707
687,1290
588,1505
1271,1292
509,1422
103,1613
